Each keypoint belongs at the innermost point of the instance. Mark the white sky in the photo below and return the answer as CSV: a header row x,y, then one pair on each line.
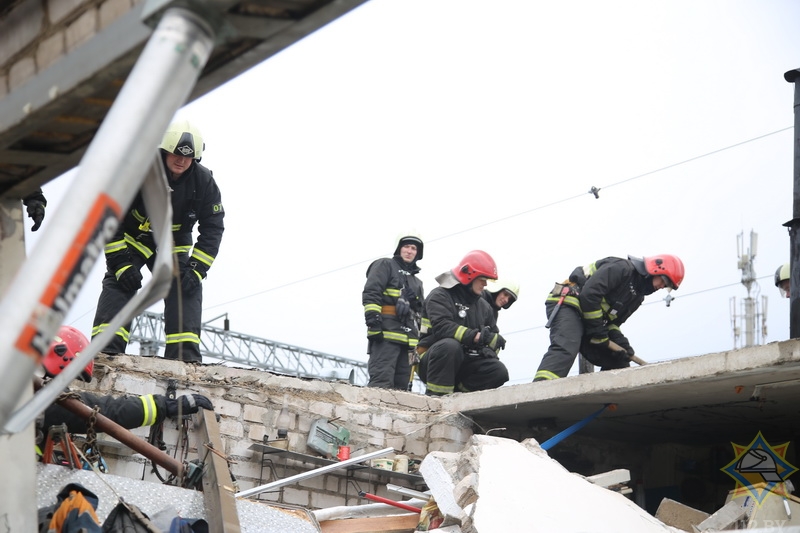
x,y
482,126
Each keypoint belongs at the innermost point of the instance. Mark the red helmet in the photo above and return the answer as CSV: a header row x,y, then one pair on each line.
x,y
66,346
475,264
666,265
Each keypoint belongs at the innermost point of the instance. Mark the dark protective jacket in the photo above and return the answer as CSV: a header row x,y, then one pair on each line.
x,y
196,199
128,411
444,309
386,278
490,299
609,292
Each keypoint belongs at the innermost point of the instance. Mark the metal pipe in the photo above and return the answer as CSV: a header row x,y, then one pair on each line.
x,y
313,473
387,501
794,224
113,429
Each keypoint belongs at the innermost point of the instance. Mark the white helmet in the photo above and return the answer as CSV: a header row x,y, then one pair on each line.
x,y
181,138
495,286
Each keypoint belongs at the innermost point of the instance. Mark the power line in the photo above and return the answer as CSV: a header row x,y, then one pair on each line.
x,y
498,220
652,302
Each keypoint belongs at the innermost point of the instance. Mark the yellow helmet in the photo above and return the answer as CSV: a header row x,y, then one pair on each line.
x,y
181,138
495,286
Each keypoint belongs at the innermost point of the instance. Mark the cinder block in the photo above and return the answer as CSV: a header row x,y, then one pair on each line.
x,y
678,515
230,427
59,9
111,10
325,500
50,50
226,408
80,31
256,433
323,409
253,413
382,421
19,29
294,496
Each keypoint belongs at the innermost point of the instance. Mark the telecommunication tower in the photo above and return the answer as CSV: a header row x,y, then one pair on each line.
x,y
752,309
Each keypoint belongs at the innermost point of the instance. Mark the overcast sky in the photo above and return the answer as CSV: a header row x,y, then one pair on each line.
x,y
483,126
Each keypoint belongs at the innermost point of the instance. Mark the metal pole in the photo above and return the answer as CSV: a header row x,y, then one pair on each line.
x,y
794,224
111,172
313,473
127,438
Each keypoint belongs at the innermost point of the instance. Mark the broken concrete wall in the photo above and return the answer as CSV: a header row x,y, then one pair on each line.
x,y
498,484
249,401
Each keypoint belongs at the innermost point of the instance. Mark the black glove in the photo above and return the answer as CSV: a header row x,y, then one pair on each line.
x,y
402,309
500,344
468,339
187,405
373,320
374,323
35,210
129,278
488,353
486,336
190,281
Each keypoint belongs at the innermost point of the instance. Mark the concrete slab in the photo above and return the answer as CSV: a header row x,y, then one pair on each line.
x,y
718,397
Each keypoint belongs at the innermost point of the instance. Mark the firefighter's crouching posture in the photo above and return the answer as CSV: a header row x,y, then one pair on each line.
x,y
392,300
195,199
587,310
459,340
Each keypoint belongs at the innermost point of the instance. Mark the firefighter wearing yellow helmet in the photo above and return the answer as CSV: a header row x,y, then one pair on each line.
x,y
196,200
782,279
392,299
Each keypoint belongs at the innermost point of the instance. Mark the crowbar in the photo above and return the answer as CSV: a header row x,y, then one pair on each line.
x,y
617,348
564,291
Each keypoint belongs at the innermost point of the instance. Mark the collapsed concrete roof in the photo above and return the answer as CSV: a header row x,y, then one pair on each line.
x,y
721,397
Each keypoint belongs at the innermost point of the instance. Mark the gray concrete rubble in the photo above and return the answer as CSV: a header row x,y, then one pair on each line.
x,y
498,484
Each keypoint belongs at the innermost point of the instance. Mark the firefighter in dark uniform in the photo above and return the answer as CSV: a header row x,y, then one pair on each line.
x,y
392,299
597,300
783,278
128,411
459,341
500,294
196,199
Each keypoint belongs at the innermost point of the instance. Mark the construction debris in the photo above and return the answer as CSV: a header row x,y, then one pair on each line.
x,y
498,484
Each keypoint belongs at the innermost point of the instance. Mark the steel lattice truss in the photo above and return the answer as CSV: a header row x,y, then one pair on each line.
x,y
247,350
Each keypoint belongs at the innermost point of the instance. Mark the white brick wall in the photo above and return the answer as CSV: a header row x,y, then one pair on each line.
x,y
376,419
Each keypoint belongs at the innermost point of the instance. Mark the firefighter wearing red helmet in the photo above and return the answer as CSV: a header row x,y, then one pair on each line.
x,y
392,299
586,311
460,342
127,411
196,201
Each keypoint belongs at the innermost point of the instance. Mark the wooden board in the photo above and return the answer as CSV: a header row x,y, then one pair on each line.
x,y
381,524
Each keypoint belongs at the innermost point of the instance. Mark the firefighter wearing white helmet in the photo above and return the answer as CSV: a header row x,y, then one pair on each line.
x,y
501,294
585,312
392,299
196,200
782,279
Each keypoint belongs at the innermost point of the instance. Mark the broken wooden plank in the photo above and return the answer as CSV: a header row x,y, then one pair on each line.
x,y
381,524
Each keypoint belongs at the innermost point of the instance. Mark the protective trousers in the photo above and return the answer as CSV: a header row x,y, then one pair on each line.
x,y
388,365
447,367
183,339
566,332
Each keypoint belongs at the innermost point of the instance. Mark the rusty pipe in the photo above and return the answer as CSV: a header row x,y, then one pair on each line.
x,y
111,428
